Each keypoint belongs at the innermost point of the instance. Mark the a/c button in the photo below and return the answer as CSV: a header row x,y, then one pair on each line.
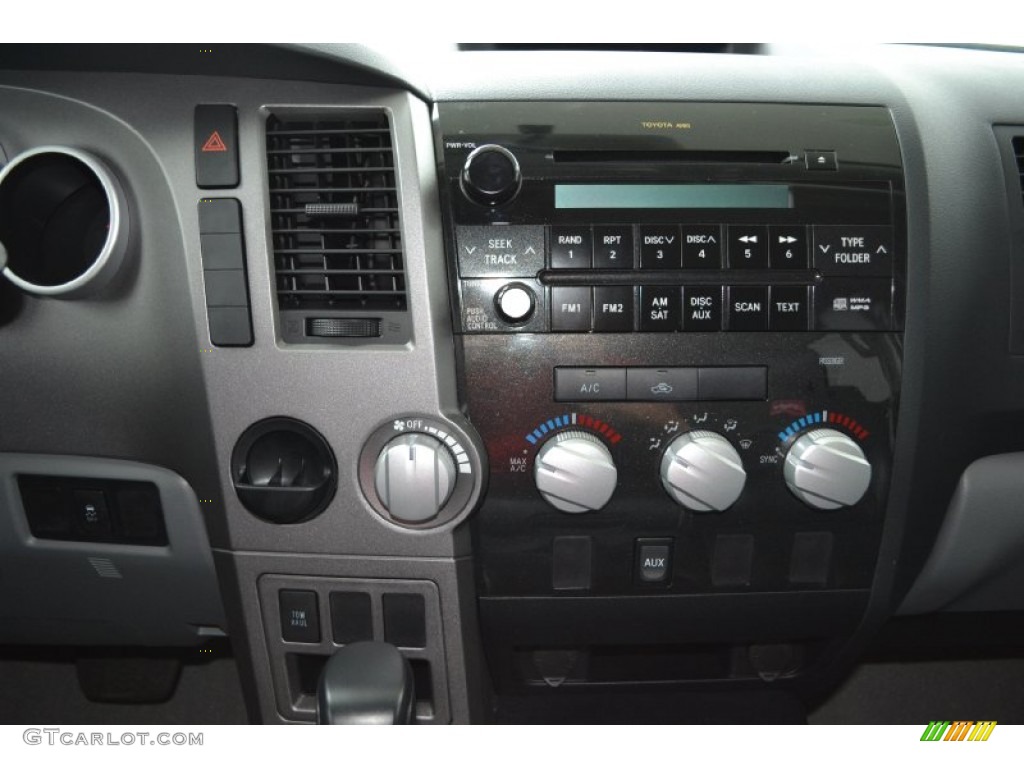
x,y
576,385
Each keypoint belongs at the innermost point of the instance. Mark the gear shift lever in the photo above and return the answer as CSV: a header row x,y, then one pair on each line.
x,y
366,683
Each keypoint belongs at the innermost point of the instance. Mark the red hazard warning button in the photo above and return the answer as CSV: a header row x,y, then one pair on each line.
x,y
216,146
215,143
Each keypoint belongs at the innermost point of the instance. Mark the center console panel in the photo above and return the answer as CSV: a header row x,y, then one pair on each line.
x,y
679,332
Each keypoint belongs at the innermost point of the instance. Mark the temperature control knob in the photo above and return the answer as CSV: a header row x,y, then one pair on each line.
x,y
491,175
827,470
702,471
414,476
575,472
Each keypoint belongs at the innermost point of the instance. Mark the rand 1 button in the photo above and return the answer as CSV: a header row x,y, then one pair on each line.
x,y
748,308
570,248
613,309
788,308
853,251
849,304
571,309
661,384
613,247
576,385
500,251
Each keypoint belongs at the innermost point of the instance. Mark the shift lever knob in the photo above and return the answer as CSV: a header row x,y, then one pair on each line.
x,y
367,683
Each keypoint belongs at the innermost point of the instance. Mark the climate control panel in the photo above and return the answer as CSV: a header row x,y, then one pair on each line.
x,y
808,456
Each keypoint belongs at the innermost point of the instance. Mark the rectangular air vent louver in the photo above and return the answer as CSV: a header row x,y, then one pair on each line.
x,y
1018,153
335,224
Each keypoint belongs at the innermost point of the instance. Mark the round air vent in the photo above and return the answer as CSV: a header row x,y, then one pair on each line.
x,y
283,471
63,222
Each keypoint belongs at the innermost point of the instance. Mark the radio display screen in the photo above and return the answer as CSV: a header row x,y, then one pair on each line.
x,y
673,196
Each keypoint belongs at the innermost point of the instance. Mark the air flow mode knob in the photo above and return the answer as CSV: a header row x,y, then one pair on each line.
x,y
491,175
575,472
414,476
702,471
825,469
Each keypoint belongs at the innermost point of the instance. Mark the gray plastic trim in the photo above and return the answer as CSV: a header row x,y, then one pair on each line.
x,y
982,536
87,593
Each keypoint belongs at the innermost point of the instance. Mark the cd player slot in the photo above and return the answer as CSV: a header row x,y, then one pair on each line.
x,y
730,157
675,277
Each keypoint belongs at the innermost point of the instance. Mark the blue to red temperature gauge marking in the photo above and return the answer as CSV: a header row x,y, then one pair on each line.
x,y
824,418
573,420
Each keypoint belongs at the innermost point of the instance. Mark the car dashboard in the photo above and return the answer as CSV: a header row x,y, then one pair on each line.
x,y
605,385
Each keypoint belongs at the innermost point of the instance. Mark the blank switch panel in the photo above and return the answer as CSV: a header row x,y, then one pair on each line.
x,y
307,618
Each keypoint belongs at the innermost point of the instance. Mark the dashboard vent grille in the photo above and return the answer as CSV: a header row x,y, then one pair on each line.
x,y
334,214
1018,154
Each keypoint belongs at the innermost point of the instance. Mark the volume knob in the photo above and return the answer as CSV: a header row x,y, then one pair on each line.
x,y
491,175
702,471
575,472
825,469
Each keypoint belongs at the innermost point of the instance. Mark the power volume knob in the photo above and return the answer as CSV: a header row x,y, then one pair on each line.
x,y
491,175
825,469
702,471
575,472
414,476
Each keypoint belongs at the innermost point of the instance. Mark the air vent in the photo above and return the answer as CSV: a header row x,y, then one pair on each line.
x,y
1018,154
336,230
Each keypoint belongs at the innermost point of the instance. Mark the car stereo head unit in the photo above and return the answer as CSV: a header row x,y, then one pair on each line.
x,y
674,217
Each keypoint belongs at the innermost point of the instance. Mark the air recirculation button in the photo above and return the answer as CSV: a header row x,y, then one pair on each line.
x,y
283,471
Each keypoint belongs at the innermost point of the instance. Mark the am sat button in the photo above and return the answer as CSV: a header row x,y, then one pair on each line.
x,y
589,384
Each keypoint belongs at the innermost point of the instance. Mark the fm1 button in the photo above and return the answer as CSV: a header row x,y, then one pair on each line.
x,y
570,309
653,560
515,303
